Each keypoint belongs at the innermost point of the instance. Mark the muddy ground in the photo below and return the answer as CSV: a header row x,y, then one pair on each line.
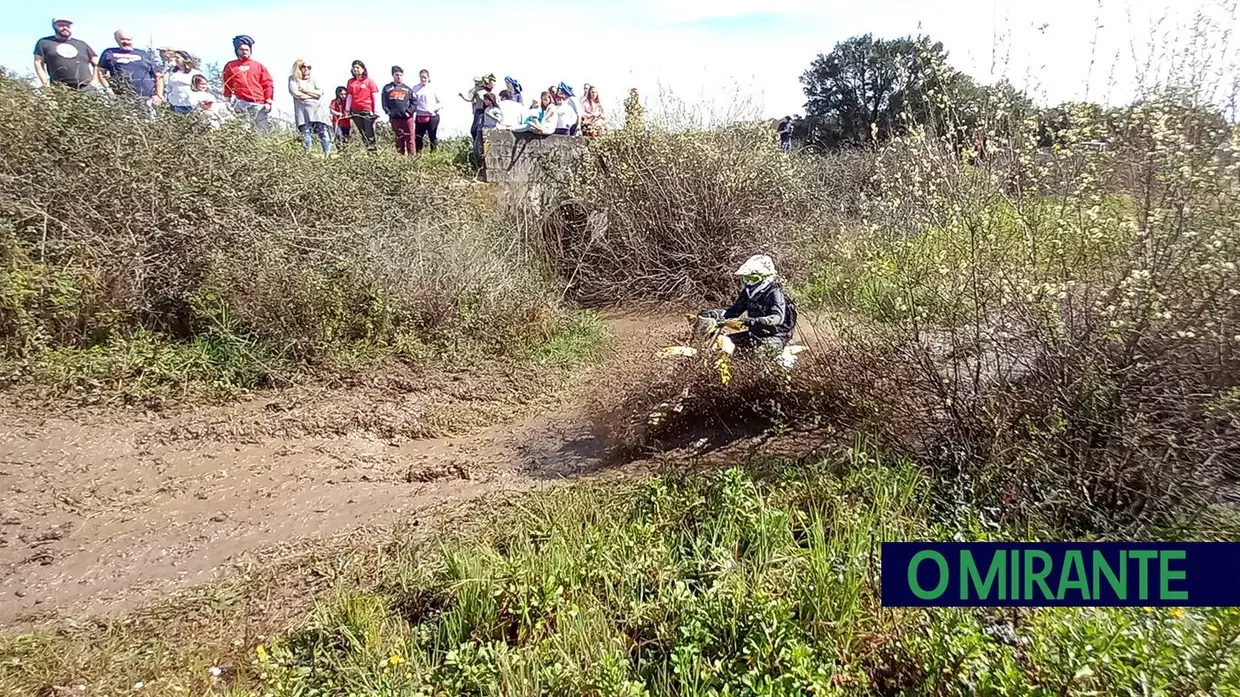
x,y
105,510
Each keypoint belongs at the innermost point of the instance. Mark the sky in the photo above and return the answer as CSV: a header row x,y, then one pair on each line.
x,y
698,60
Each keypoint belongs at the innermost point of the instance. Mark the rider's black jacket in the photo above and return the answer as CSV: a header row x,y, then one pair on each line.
x,y
774,314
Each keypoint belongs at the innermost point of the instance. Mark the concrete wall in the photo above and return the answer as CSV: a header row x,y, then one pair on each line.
x,y
512,158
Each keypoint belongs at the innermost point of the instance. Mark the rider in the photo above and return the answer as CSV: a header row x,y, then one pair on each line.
x,y
770,314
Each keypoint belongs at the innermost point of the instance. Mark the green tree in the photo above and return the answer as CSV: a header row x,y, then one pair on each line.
x,y
871,89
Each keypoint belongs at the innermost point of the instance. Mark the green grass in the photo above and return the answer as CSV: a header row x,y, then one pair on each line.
x,y
949,270
759,582
579,342
222,363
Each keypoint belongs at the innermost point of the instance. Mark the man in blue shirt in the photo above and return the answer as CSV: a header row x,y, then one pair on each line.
x,y
130,72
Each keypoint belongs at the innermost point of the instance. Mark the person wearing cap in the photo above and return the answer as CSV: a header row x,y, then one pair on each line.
x,y
60,59
248,85
514,88
310,113
400,106
482,85
570,101
179,81
428,104
565,115
131,73
762,306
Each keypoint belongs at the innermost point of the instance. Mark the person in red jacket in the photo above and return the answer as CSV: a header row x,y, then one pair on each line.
x,y
248,86
363,99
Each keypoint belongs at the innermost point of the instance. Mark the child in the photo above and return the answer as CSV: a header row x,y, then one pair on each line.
x,y
202,101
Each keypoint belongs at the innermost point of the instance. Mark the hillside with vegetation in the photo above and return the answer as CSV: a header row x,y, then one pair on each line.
x,y
1014,334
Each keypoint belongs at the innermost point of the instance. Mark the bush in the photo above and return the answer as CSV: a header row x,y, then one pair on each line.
x,y
1066,352
653,215
111,226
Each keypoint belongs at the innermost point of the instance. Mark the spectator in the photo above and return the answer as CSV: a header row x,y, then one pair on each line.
x,y
214,110
179,81
426,121
248,85
544,120
167,58
592,115
491,116
785,133
60,59
398,104
309,112
633,111
570,100
565,115
514,87
130,73
482,85
512,111
340,114
363,97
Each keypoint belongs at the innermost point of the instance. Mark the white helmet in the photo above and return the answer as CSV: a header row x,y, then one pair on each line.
x,y
758,265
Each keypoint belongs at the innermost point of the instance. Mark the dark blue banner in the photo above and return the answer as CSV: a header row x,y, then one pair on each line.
x,y
1080,574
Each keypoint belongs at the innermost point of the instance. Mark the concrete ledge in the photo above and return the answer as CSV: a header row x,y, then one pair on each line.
x,y
513,157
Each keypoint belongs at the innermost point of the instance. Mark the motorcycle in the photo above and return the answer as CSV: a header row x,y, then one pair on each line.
x,y
713,340
715,337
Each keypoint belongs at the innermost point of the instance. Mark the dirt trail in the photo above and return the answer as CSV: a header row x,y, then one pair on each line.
x,y
102,512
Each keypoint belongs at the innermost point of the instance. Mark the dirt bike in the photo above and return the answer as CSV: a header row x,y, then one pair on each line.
x,y
716,341
713,340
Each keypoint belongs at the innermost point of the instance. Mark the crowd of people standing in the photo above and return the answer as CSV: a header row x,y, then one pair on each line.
x,y
174,78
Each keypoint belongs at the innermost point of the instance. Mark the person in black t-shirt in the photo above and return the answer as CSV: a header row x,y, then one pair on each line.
x,y
60,59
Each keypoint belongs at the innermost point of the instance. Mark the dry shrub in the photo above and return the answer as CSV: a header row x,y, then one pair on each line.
x,y
684,400
656,215
110,224
1069,353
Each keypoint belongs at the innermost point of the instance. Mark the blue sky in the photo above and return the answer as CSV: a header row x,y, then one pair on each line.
x,y
720,59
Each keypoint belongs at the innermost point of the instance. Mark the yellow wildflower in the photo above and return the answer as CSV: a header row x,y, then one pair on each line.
x,y
261,651
1177,613
395,660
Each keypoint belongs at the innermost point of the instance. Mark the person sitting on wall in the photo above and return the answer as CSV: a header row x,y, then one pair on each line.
x,y
543,121
512,112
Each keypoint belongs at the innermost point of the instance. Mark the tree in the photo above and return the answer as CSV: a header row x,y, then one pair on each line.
x,y
215,77
871,89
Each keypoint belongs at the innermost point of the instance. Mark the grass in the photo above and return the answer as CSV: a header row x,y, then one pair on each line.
x,y
216,364
886,274
747,581
579,342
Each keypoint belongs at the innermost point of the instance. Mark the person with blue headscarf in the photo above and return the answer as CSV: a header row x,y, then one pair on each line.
x,y
514,88
573,121
248,85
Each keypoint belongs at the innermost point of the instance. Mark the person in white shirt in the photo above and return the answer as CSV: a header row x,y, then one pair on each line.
x,y
202,101
566,116
570,100
427,103
179,80
542,120
512,111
